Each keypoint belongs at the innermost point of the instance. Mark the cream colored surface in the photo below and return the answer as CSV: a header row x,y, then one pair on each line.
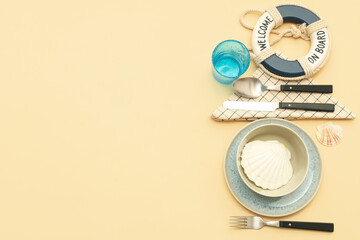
x,y
105,121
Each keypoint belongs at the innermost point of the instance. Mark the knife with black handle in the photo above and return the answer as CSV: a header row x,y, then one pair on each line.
x,y
272,106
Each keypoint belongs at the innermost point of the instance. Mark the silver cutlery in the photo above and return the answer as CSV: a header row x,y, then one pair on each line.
x,y
253,222
251,87
272,106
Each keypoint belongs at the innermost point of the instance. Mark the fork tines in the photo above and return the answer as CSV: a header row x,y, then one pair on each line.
x,y
238,221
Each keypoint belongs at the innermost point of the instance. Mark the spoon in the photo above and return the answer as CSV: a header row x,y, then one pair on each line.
x,y
252,87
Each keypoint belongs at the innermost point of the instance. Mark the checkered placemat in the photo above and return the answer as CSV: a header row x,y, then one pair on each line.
x,y
341,112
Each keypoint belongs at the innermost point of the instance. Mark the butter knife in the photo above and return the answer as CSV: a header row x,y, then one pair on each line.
x,y
272,106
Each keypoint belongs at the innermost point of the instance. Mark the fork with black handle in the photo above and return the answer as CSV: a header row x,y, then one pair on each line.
x,y
253,222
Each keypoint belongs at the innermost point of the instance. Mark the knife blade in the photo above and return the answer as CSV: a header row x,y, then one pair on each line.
x,y
272,106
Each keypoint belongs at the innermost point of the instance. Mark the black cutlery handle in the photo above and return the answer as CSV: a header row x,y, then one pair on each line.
x,y
321,107
307,88
327,227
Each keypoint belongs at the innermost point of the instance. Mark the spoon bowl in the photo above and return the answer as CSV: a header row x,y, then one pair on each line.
x,y
248,87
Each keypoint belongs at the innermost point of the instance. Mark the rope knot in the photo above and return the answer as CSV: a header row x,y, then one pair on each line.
x,y
297,31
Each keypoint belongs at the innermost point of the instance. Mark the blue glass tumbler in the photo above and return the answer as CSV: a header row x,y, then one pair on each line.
x,y
230,59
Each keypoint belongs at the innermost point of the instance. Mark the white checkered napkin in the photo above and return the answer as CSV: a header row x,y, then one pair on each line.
x,y
341,112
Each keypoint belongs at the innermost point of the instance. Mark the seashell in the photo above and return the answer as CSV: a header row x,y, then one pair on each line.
x,y
329,134
267,163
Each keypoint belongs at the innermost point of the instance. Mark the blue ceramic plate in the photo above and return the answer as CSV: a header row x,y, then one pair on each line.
x,y
274,206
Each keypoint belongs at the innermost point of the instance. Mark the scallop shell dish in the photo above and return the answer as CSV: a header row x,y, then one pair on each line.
x,y
267,163
329,134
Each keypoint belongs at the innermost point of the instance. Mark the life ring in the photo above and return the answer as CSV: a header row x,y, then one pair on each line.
x,y
276,66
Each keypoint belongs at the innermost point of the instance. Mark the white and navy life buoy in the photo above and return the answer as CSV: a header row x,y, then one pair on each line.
x,y
303,67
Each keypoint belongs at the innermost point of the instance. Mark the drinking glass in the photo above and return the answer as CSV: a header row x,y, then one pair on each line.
x,y
230,59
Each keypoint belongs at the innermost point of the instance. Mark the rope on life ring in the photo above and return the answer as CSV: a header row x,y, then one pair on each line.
x,y
309,27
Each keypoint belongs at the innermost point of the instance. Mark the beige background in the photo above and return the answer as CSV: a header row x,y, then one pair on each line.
x,y
105,120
